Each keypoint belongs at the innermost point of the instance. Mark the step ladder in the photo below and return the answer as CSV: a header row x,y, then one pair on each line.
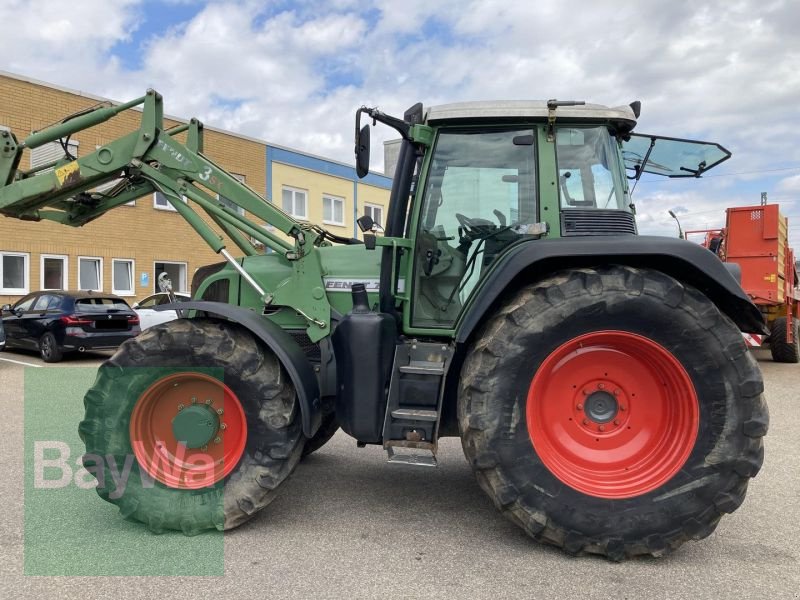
x,y
413,414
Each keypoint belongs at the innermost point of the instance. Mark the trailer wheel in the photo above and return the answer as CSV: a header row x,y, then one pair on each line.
x,y
783,351
612,411
205,416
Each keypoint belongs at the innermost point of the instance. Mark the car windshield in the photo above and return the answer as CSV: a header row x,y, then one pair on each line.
x,y
100,304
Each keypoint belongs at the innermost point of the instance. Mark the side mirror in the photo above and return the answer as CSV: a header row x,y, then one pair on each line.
x,y
362,152
6,308
135,305
365,223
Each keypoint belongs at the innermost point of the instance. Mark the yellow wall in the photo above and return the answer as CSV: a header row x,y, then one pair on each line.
x,y
316,185
144,233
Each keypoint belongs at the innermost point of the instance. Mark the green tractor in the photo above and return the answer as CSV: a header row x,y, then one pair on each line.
x,y
598,379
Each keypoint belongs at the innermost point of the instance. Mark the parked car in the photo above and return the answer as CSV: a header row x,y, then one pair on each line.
x,y
2,337
56,322
147,313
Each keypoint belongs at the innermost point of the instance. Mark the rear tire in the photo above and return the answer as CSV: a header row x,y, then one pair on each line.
x,y
783,351
264,398
641,328
48,348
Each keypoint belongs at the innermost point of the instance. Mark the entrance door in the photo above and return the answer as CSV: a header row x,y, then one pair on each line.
x,y
176,272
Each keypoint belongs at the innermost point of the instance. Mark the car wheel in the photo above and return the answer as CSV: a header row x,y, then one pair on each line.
x,y
48,348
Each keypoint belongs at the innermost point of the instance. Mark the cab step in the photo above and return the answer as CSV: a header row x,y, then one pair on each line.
x,y
416,454
411,426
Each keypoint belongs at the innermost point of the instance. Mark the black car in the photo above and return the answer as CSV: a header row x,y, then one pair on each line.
x,y
2,336
55,322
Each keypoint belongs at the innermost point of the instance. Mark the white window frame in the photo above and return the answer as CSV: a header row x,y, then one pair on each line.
x,y
168,207
333,200
372,208
295,191
26,275
157,206
180,289
51,151
121,292
64,271
100,278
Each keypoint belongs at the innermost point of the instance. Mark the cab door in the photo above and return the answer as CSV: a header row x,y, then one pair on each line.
x,y
479,197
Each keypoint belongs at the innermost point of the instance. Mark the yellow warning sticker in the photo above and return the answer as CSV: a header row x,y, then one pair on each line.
x,y
68,172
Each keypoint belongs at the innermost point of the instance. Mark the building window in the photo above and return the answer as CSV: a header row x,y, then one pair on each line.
x,y
294,202
230,203
14,273
332,210
51,152
375,213
53,272
175,272
122,271
160,202
90,273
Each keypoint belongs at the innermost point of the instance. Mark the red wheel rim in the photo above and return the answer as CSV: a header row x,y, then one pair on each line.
x,y
612,414
171,461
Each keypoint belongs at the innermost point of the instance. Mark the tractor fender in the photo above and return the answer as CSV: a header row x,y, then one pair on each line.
x,y
281,343
687,262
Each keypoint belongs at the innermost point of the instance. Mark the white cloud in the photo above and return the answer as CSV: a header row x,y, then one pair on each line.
x,y
723,70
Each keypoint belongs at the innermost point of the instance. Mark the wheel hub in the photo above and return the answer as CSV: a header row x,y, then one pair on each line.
x,y
601,407
188,430
196,425
612,414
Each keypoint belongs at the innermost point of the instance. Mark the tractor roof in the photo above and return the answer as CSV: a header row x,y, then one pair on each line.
x,y
529,109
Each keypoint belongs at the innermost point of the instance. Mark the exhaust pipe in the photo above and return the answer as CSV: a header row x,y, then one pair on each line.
x,y
81,349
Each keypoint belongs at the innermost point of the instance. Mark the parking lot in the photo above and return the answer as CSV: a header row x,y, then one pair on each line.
x,y
348,524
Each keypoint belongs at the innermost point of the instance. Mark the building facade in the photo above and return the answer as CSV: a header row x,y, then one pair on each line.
x,y
124,251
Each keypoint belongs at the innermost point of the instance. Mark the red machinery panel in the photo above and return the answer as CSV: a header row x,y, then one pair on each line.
x,y
757,241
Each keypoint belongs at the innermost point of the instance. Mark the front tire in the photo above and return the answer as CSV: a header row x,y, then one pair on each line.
x,y
633,420
238,417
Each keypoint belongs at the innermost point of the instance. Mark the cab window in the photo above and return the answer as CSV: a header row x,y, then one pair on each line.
x,y
588,177
479,198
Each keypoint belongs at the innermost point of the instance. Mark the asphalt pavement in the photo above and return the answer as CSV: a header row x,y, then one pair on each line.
x,y
349,525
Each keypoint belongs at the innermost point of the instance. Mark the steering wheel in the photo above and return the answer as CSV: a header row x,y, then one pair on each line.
x,y
472,225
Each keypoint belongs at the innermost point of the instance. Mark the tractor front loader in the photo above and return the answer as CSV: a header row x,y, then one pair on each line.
x,y
597,378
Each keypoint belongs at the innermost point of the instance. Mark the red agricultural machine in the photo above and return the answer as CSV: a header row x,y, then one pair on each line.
x,y
757,239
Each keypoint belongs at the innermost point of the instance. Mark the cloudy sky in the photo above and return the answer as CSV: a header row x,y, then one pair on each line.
x,y
293,72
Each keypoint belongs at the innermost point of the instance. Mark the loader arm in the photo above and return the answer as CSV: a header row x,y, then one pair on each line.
x,y
151,160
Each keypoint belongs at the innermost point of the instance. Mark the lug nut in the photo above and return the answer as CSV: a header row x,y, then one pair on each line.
x,y
621,407
579,407
208,400
180,407
217,440
586,421
601,428
223,426
204,448
194,400
616,392
585,392
219,411
600,386
616,421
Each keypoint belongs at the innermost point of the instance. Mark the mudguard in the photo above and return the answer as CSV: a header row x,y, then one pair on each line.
x,y
683,260
281,343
